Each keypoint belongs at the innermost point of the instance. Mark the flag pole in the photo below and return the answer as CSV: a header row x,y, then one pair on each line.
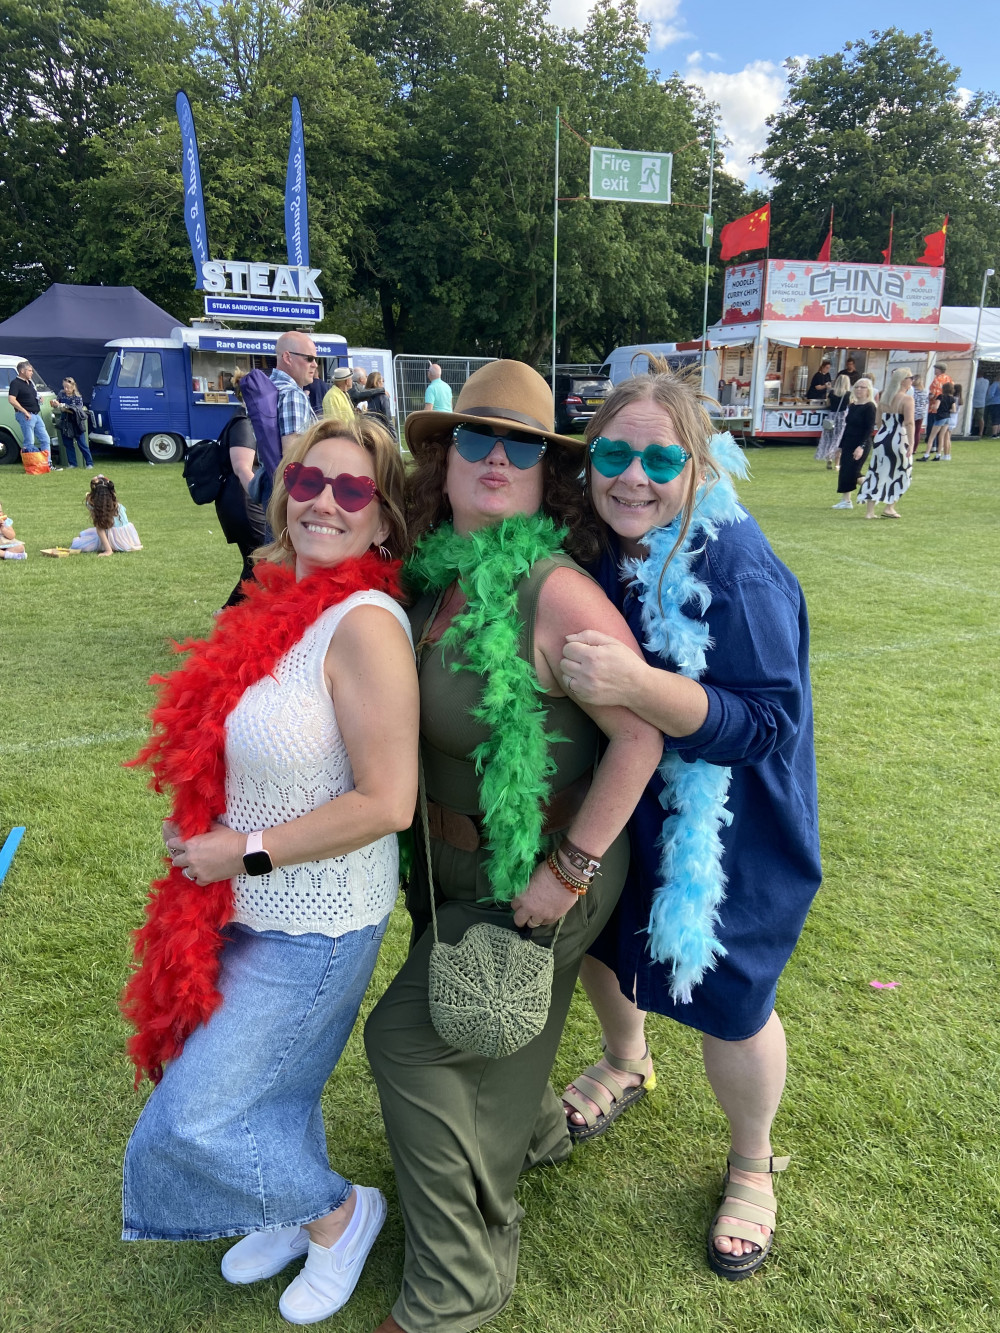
x,y
555,255
708,255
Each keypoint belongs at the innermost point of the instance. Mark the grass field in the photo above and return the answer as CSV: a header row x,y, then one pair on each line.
x,y
889,1212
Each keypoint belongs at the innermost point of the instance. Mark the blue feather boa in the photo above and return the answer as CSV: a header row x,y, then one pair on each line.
x,y
692,883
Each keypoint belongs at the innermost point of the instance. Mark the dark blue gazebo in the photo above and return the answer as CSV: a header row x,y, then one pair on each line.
x,y
63,332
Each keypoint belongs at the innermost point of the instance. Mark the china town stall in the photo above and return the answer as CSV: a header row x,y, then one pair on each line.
x,y
781,318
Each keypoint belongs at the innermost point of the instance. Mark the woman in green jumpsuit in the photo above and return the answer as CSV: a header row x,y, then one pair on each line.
x,y
491,487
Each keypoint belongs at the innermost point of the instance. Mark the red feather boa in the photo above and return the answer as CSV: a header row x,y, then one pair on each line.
x,y
173,987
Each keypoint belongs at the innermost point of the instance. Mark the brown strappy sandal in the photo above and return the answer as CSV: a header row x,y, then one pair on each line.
x,y
606,1092
747,1205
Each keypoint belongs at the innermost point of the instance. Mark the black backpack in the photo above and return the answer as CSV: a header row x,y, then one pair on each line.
x,y
203,471
206,464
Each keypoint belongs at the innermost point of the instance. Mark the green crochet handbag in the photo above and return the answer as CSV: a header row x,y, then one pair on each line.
x,y
490,993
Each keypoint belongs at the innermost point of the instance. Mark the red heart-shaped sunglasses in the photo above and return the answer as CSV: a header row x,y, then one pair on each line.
x,y
352,493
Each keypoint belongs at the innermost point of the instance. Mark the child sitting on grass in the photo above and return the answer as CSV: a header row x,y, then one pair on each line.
x,y
10,547
112,530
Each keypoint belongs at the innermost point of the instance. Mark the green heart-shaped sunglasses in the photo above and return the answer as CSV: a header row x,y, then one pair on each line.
x,y
661,462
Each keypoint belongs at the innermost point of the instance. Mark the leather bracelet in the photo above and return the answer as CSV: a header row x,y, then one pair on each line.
x,y
574,886
579,859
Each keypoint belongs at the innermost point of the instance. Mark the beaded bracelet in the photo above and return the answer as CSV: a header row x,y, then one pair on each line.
x,y
580,859
567,881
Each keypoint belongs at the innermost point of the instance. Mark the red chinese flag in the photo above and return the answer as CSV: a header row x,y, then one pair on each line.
x,y
746,233
934,246
824,250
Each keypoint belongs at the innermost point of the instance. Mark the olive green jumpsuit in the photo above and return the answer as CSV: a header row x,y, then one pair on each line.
x,y
461,1127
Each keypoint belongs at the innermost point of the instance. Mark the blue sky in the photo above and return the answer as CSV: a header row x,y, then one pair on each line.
x,y
735,50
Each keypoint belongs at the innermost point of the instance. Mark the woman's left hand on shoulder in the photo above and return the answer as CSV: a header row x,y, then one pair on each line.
x,y
208,857
599,669
544,901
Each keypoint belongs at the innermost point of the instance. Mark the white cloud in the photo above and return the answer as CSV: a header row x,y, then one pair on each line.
x,y
745,99
661,15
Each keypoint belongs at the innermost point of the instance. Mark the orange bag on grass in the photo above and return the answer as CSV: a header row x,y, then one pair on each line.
x,y
35,462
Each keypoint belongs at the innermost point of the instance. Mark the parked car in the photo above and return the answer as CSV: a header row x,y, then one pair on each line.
x,y
10,431
577,398
624,362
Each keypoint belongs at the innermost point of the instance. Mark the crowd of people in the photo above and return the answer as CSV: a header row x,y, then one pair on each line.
x,y
881,433
665,850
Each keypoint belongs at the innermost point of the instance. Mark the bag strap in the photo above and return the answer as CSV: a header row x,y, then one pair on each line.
x,y
524,931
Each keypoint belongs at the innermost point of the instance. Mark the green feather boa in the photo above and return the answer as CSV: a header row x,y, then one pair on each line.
x,y
514,763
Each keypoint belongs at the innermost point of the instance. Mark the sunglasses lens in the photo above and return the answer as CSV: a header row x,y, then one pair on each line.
x,y
525,452
353,493
472,444
303,483
664,462
610,457
522,450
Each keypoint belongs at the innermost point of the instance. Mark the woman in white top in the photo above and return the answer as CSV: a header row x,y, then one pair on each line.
x,y
302,710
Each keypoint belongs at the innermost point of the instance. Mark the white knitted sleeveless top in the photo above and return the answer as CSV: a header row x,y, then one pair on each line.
x,y
284,757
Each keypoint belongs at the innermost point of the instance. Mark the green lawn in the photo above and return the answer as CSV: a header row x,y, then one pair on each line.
x,y
889,1211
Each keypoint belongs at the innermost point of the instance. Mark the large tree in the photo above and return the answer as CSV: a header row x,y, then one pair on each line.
x,y
880,127
75,77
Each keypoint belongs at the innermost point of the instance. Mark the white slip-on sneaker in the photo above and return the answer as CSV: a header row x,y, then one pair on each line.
x,y
263,1253
330,1275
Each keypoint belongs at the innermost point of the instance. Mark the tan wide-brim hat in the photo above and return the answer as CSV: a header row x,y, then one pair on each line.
x,y
502,393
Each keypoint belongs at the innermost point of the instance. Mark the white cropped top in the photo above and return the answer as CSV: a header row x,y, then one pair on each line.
x,y
285,756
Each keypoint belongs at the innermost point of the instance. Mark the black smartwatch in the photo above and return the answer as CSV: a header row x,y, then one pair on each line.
x,y
255,859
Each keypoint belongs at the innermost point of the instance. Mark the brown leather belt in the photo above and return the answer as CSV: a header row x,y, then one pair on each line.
x,y
465,832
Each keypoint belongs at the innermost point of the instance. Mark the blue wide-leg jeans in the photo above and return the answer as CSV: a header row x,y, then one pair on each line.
x,y
232,1138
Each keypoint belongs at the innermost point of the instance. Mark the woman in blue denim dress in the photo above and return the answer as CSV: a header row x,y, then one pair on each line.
x,y
725,845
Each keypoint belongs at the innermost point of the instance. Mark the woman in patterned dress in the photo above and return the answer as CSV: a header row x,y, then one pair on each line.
x,y
892,453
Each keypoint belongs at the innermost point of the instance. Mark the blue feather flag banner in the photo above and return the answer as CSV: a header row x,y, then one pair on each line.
x,y
194,200
296,206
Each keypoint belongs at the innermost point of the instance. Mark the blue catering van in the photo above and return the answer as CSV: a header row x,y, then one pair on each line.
x,y
162,395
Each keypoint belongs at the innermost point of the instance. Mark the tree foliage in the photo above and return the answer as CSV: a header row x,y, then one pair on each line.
x,y
429,142
877,128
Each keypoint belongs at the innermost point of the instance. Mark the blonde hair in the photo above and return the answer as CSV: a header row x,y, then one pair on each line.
x,y
841,385
894,388
686,406
68,379
867,384
372,436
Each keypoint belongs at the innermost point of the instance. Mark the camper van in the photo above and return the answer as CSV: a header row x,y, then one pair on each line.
x,y
162,395
624,362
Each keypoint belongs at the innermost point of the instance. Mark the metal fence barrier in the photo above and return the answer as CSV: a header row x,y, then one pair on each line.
x,y
411,379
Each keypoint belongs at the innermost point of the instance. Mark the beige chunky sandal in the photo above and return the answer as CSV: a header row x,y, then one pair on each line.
x,y
606,1092
747,1205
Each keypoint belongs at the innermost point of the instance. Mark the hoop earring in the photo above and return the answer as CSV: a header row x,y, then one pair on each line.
x,y
283,538
383,551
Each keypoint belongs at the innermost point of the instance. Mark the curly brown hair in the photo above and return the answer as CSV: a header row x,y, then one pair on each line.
x,y
103,502
427,506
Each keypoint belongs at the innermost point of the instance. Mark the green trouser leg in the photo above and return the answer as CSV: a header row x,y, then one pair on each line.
x,y
460,1127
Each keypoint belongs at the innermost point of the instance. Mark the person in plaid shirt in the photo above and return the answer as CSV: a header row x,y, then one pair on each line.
x,y
297,364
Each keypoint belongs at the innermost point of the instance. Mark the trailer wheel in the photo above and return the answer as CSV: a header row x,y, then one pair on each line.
x,y
10,450
163,448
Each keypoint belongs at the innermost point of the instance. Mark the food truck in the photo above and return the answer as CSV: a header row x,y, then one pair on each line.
x,y
162,395
781,318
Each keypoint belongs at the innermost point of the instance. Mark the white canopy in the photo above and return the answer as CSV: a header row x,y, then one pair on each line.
x,y
943,337
963,319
